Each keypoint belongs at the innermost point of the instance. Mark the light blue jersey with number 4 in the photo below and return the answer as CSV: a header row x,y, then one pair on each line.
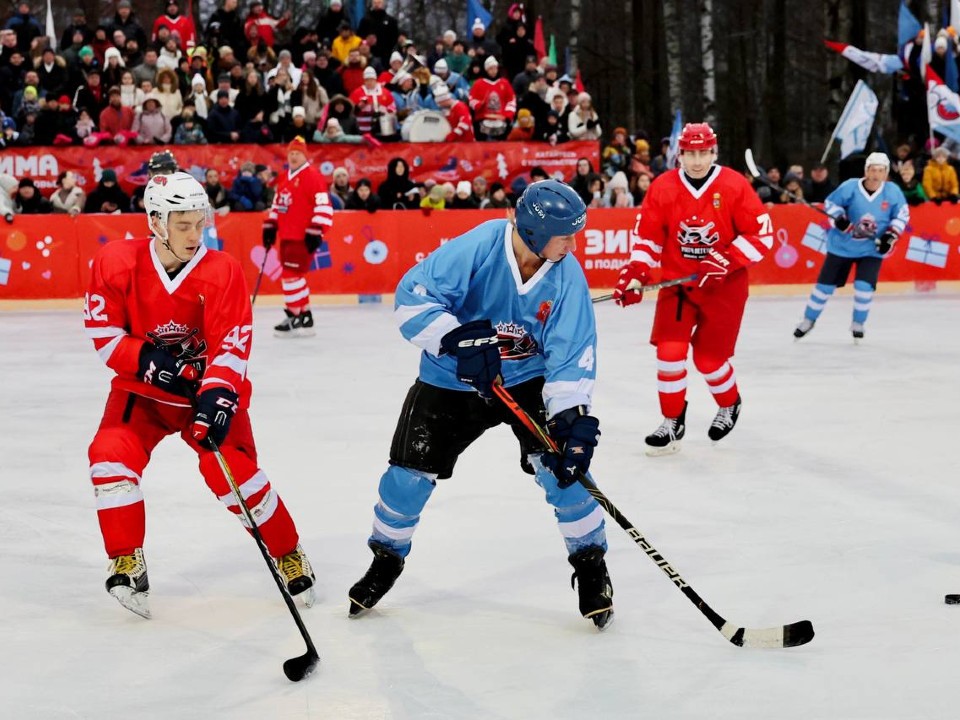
x,y
546,324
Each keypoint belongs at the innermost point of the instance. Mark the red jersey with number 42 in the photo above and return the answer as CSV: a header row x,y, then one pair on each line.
x,y
678,223
203,312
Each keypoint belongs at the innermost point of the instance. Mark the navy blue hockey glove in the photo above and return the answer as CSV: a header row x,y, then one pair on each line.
x,y
159,368
211,421
476,347
313,242
885,242
576,434
841,223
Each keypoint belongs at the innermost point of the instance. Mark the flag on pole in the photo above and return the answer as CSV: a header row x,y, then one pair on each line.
x,y
51,33
926,52
874,62
578,83
856,121
539,44
552,52
476,11
955,14
908,27
674,149
943,106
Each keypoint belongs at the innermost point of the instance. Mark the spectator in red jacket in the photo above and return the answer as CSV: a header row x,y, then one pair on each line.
x,y
116,121
266,24
457,114
176,23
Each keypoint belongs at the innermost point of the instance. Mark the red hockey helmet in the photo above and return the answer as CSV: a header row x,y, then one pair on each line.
x,y
697,136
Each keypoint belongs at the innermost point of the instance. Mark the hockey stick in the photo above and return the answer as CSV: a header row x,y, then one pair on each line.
x,y
256,287
635,285
762,177
296,669
798,633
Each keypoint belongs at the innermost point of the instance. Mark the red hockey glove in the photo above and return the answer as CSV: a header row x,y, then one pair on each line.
x,y
633,276
714,266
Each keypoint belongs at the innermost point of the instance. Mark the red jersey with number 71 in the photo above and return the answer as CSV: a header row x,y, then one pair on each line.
x,y
202,312
679,224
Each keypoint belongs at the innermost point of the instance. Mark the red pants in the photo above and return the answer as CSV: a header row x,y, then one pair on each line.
x,y
129,431
295,261
709,319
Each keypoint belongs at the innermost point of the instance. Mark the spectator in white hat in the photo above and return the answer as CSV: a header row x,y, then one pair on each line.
x,y
374,106
493,103
455,82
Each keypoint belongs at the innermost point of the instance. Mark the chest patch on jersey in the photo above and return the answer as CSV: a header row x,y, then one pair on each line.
x,y
515,342
866,227
284,201
179,340
695,236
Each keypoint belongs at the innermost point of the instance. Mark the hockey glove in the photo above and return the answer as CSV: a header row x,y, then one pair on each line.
x,y
476,347
885,242
313,242
159,368
269,235
841,223
632,274
714,266
576,434
211,421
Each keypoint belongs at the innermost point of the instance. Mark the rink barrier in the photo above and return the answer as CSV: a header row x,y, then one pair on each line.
x,y
49,256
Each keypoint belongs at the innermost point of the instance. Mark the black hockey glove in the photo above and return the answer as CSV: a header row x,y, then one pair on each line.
x,y
885,242
211,421
841,223
576,434
953,198
938,200
313,242
159,368
476,347
269,236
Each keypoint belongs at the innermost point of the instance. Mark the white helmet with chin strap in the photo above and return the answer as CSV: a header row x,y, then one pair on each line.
x,y
177,192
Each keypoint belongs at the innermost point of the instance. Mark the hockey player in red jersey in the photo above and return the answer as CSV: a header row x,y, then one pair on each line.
x,y
300,214
172,319
701,219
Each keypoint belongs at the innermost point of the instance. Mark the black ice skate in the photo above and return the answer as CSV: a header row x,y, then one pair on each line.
x,y
303,324
285,329
724,421
381,576
128,582
593,583
298,573
856,329
665,440
803,328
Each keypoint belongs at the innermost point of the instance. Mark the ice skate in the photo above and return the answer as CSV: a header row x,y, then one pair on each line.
x,y
303,325
803,328
381,576
128,582
593,583
724,421
285,329
299,575
665,440
856,329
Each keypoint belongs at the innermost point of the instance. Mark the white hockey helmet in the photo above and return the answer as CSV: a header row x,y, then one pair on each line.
x,y
177,192
877,158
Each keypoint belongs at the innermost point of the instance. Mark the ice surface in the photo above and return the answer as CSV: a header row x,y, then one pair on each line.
x,y
835,499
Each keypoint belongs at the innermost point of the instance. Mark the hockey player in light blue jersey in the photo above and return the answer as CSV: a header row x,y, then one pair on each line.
x,y
502,301
868,216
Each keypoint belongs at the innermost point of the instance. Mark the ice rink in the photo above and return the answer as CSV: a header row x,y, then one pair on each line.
x,y
836,499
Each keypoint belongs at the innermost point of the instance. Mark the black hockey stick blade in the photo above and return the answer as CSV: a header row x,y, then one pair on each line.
x,y
296,669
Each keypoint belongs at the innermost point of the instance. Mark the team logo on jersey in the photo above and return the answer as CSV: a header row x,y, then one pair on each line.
x,y
865,227
543,312
179,340
515,342
284,201
716,201
696,236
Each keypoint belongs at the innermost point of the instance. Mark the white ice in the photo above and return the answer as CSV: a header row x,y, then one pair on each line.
x,y
835,499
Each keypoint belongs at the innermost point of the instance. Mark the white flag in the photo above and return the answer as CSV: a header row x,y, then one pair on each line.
x,y
926,51
943,106
51,33
853,128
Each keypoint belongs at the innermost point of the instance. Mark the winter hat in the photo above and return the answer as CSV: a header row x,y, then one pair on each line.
x,y
494,187
65,100
86,51
9,124
641,145
27,182
437,193
109,175
337,172
29,93
223,94
333,123
309,55
395,57
369,72
449,35
583,97
225,50
248,167
198,80
441,93
440,66
123,4
298,111
940,43
619,180
490,62
336,3
464,188
298,143
477,25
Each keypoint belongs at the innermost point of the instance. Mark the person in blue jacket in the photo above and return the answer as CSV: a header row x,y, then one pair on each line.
x,y
869,213
505,302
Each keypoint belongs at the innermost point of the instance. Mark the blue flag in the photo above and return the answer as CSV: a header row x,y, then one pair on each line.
x,y
856,121
907,26
476,11
359,10
674,150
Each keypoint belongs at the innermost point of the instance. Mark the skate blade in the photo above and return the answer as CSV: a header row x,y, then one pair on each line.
x,y
668,449
308,596
305,332
602,619
356,609
135,602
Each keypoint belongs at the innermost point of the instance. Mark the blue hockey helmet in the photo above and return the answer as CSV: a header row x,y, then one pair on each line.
x,y
547,209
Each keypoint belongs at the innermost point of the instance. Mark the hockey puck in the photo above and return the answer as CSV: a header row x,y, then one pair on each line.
x,y
951,599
